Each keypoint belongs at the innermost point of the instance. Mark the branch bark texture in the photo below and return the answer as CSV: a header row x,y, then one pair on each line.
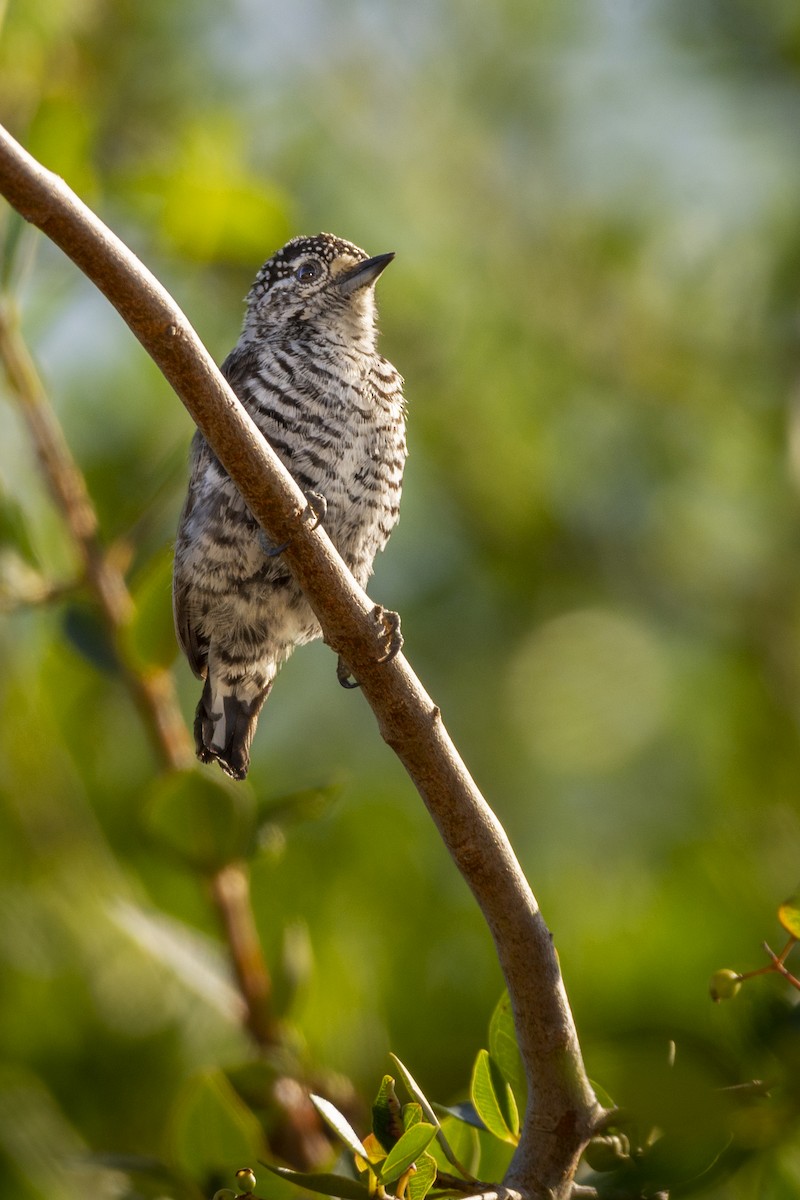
x,y
562,1108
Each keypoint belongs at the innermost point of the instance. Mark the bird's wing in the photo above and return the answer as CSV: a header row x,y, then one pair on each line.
x,y
239,366
236,368
191,641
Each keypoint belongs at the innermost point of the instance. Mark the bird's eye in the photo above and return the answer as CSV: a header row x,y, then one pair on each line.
x,y
307,272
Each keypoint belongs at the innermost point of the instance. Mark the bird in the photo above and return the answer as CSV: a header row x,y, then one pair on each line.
x,y
307,369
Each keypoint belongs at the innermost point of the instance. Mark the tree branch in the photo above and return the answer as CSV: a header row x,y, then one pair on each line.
x,y
562,1108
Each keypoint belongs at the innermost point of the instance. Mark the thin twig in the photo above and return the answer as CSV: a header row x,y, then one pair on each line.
x,y
563,1107
230,888
778,963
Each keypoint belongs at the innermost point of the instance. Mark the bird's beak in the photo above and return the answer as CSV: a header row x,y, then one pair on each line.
x,y
364,273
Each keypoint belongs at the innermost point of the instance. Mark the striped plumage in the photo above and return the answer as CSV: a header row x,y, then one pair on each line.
x,y
307,370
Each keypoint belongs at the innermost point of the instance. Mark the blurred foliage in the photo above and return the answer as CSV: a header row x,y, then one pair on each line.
x,y
594,305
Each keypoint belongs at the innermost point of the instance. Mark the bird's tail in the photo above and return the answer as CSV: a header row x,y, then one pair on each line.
x,y
225,722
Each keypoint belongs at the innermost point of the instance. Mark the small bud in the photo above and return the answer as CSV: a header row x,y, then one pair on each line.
x,y
724,985
224,1194
607,1153
245,1179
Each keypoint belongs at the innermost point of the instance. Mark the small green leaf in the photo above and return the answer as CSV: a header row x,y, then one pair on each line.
x,y
505,1052
602,1095
463,1140
376,1153
789,915
412,1144
412,1115
464,1112
328,1185
495,1111
415,1090
340,1126
387,1118
505,1098
206,820
423,1179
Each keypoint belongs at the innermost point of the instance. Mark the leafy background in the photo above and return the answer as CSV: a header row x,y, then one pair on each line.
x,y
594,304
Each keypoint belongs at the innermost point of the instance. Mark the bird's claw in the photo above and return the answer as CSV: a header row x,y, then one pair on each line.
x,y
390,628
316,508
345,675
389,623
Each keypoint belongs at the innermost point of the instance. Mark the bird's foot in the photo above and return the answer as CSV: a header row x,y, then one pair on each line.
x,y
345,675
392,638
389,622
315,509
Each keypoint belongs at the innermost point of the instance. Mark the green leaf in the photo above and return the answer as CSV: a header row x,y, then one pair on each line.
x,y
328,1185
387,1118
413,1142
206,820
212,1132
340,1126
416,1091
494,1155
602,1095
504,1050
494,1110
505,1098
150,636
412,1115
463,1140
789,915
464,1112
423,1179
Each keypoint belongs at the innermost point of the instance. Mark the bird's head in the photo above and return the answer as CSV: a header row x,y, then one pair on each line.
x,y
322,285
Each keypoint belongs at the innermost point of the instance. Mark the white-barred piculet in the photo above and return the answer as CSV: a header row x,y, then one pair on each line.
x,y
307,369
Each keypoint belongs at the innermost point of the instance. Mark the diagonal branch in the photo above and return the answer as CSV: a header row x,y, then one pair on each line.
x,y
563,1107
